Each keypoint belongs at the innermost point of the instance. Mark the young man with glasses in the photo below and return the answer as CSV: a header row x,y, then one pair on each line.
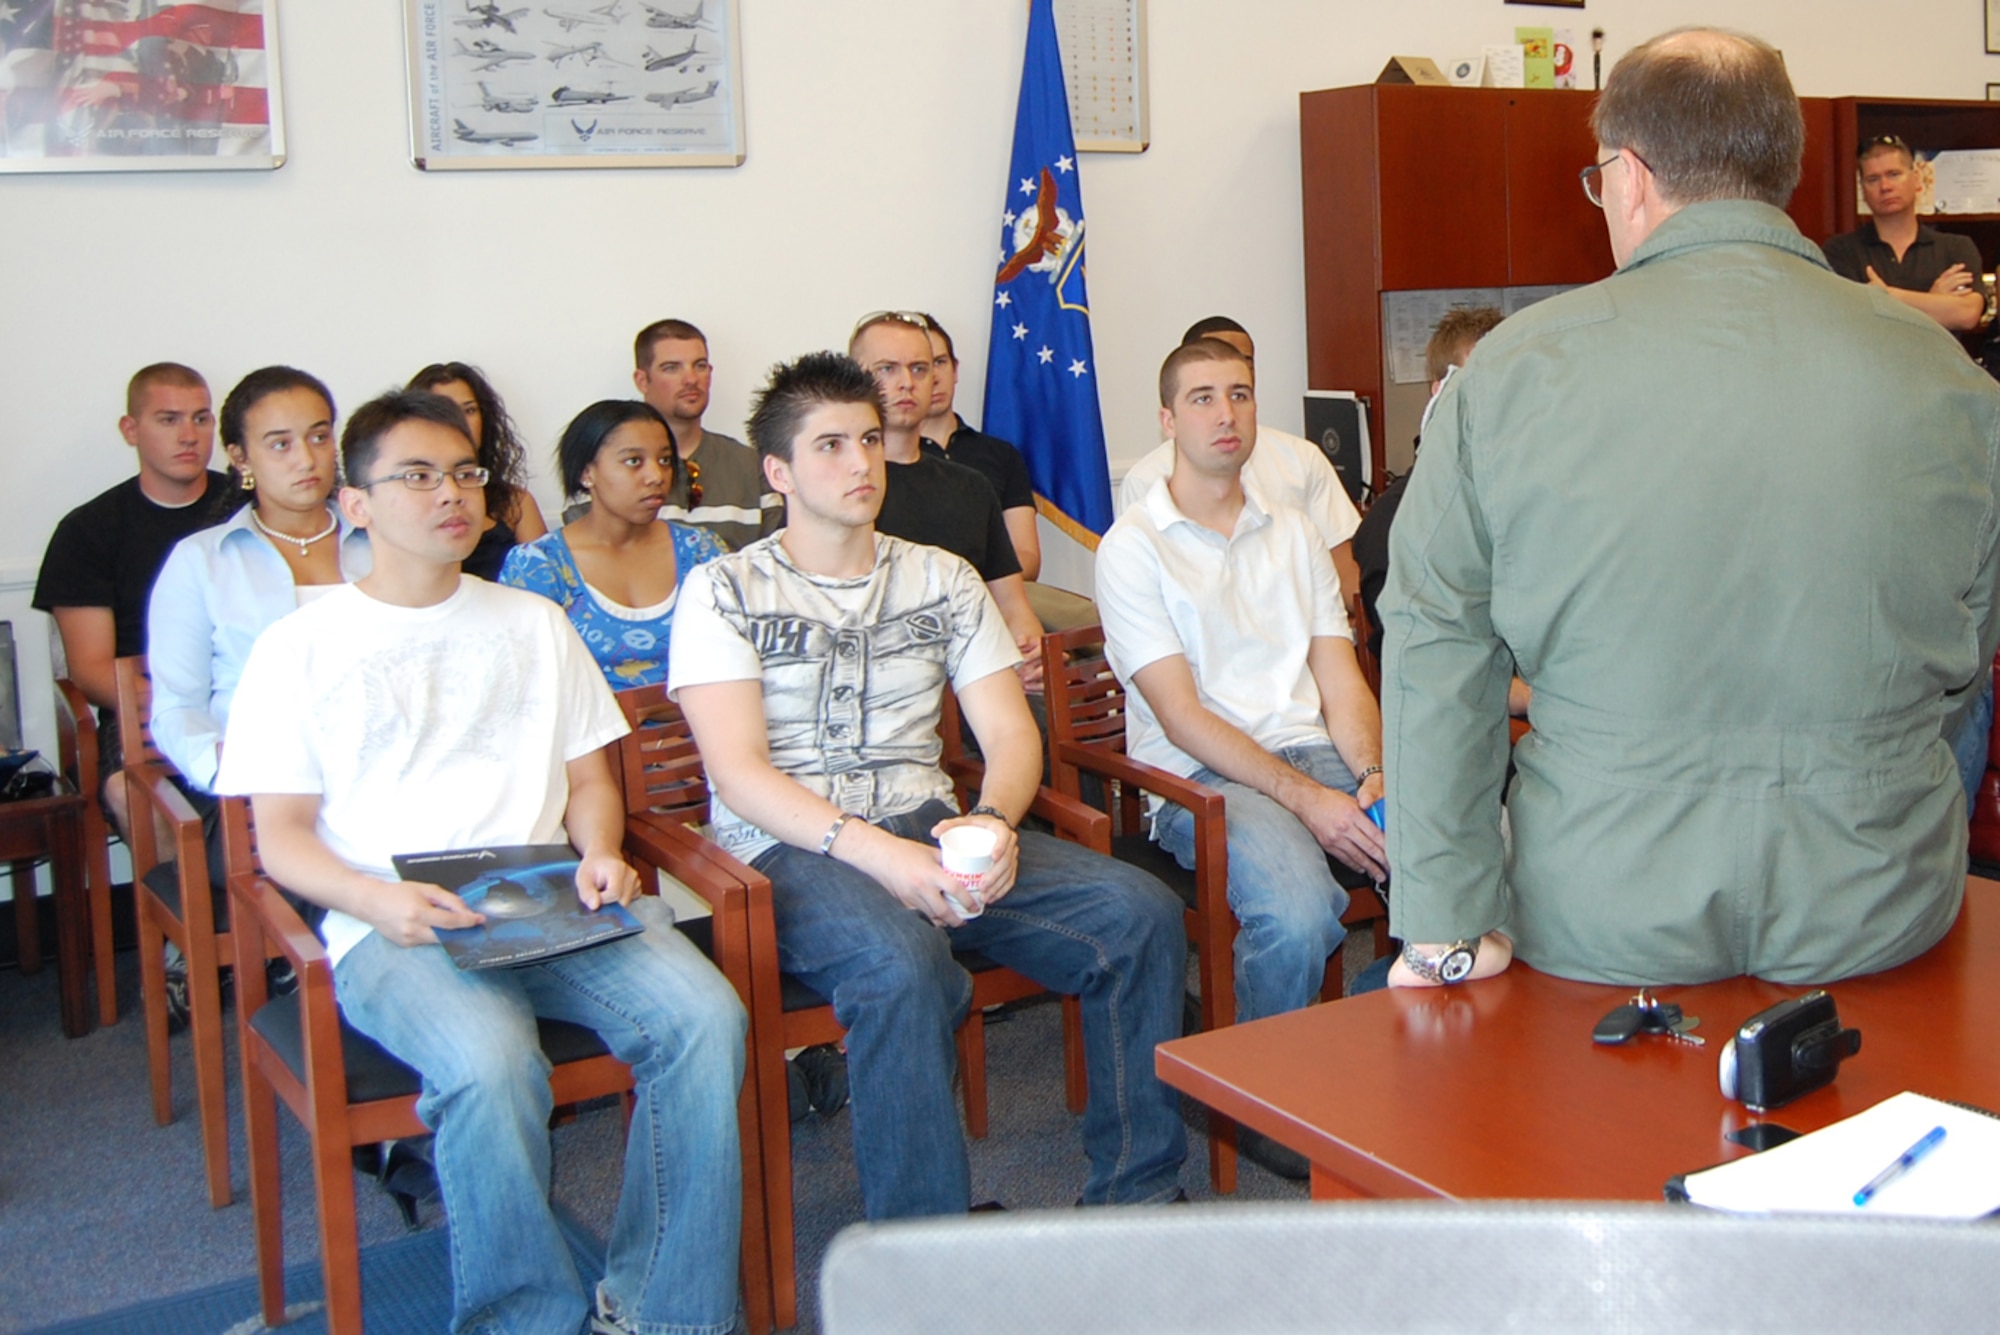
x,y
1749,588
1925,269
720,488
418,709
929,499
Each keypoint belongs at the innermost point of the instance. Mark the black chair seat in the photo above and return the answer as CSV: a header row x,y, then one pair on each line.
x,y
372,1073
1136,850
164,881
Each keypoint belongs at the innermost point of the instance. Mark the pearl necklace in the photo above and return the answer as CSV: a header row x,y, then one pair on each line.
x,y
332,526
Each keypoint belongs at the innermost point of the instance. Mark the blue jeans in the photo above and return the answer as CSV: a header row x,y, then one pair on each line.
x,y
662,1009
1974,736
1286,902
1075,922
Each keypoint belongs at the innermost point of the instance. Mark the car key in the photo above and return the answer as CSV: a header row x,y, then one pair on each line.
x,y
1621,1022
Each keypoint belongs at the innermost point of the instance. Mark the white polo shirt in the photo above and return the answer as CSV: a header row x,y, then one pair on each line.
x,y
1290,469
1243,611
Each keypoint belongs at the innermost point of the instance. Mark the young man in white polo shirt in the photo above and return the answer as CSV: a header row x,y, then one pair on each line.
x,y
1222,613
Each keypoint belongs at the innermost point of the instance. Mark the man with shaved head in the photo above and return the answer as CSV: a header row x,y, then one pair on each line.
x,y
1749,589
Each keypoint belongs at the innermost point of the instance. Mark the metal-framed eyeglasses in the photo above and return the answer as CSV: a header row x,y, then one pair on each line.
x,y
469,478
1592,177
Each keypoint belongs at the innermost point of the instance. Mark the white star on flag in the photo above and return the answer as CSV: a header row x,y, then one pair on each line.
x,y
1044,355
1007,218
1076,369
1064,164
1020,331
7,12
1003,300
1027,186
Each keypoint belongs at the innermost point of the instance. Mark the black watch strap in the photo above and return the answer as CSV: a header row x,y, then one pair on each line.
x,y
995,812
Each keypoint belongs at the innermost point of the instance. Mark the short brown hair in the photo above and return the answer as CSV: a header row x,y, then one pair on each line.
x,y
1451,342
1187,354
653,334
1711,113
159,373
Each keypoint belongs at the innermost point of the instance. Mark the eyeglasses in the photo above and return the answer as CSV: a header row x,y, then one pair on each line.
x,y
917,318
1592,176
430,479
694,483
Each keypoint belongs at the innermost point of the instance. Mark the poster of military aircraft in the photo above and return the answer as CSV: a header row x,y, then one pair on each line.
x,y
509,138
657,83
489,16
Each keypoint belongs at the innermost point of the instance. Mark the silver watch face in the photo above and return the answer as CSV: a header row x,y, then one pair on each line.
x,y
1456,964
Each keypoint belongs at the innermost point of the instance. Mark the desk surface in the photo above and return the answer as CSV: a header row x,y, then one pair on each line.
x,y
1494,1089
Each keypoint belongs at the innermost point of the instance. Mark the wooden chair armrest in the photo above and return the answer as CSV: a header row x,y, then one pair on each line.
x,y
1073,819
255,902
156,803
76,736
1204,802
667,845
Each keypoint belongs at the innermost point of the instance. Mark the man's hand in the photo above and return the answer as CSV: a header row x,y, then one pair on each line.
x,y
1496,952
1341,825
1952,281
1006,855
406,912
1029,669
605,878
1875,279
914,873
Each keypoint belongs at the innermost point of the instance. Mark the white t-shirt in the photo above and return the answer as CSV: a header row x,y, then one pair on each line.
x,y
419,728
1289,469
853,669
1243,611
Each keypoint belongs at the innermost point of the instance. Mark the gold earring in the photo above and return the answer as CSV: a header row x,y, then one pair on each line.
x,y
249,482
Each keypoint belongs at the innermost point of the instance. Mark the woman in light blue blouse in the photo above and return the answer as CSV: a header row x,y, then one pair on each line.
x,y
222,586
616,569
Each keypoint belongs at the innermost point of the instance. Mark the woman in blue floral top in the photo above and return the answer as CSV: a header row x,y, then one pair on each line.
x,y
616,569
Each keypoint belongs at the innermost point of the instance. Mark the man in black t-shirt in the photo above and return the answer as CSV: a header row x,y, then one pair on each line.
x,y
930,499
98,573
1931,271
991,457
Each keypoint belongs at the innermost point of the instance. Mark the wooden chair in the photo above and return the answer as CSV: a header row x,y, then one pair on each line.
x,y
1086,705
175,900
76,755
666,787
346,1091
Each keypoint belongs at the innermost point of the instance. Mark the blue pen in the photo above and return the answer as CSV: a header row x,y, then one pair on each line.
x,y
1904,1163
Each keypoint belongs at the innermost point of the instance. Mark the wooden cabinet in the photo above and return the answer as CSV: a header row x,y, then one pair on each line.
x,y
1410,189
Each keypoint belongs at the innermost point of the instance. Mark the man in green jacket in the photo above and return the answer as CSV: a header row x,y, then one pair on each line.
x,y
1748,587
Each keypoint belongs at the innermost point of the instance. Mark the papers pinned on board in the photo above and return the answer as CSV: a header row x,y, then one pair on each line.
x,y
1821,1172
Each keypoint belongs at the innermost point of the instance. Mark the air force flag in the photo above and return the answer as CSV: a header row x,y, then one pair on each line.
x,y
1041,373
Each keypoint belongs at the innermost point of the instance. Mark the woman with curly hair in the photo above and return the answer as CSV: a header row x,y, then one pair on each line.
x,y
511,513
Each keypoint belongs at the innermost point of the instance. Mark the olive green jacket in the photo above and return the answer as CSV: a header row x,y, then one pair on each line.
x,y
1733,518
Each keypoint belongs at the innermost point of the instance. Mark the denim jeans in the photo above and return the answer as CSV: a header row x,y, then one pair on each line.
x,y
1075,922
1286,902
662,1009
1974,736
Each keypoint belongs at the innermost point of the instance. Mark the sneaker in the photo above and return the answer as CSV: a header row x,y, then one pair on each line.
x,y
824,1067
602,1319
1268,1154
279,978
177,989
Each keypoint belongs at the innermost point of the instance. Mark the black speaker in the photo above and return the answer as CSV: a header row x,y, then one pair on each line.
x,y
1337,422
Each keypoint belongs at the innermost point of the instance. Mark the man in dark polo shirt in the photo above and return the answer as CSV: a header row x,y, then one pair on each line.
x,y
97,575
1932,271
991,457
930,499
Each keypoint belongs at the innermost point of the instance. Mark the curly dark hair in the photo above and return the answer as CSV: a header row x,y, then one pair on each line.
x,y
499,443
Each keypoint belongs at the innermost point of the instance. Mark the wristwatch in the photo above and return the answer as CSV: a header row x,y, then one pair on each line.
x,y
1452,965
995,812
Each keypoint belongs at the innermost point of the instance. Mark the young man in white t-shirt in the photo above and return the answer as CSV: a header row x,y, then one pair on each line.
x,y
811,665
418,709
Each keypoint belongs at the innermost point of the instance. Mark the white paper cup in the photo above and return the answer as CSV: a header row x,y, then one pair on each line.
x,y
968,855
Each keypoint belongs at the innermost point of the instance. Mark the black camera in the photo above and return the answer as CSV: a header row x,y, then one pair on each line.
x,y
1791,1049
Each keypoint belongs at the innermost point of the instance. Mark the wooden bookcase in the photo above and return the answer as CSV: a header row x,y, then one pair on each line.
x,y
1412,189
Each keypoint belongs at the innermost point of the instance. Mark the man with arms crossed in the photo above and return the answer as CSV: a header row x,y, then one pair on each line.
x,y
720,488
98,573
931,500
418,709
1291,469
1925,269
811,666
991,457
1736,765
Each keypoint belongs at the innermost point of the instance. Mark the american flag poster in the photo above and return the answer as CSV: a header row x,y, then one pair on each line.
x,y
109,85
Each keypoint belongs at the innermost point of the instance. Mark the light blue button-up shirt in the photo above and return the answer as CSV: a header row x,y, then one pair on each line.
x,y
217,592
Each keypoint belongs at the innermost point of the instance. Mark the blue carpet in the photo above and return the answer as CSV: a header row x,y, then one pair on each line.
x,y
405,1288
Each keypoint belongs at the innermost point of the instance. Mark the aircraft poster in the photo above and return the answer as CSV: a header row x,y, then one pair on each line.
x,y
574,83
139,85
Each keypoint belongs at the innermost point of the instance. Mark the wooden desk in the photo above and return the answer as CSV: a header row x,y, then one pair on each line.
x,y
52,827
1494,1089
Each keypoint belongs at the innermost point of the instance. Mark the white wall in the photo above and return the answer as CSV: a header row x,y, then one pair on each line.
x,y
878,133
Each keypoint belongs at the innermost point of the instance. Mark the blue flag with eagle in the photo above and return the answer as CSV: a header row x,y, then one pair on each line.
x,y
1041,373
